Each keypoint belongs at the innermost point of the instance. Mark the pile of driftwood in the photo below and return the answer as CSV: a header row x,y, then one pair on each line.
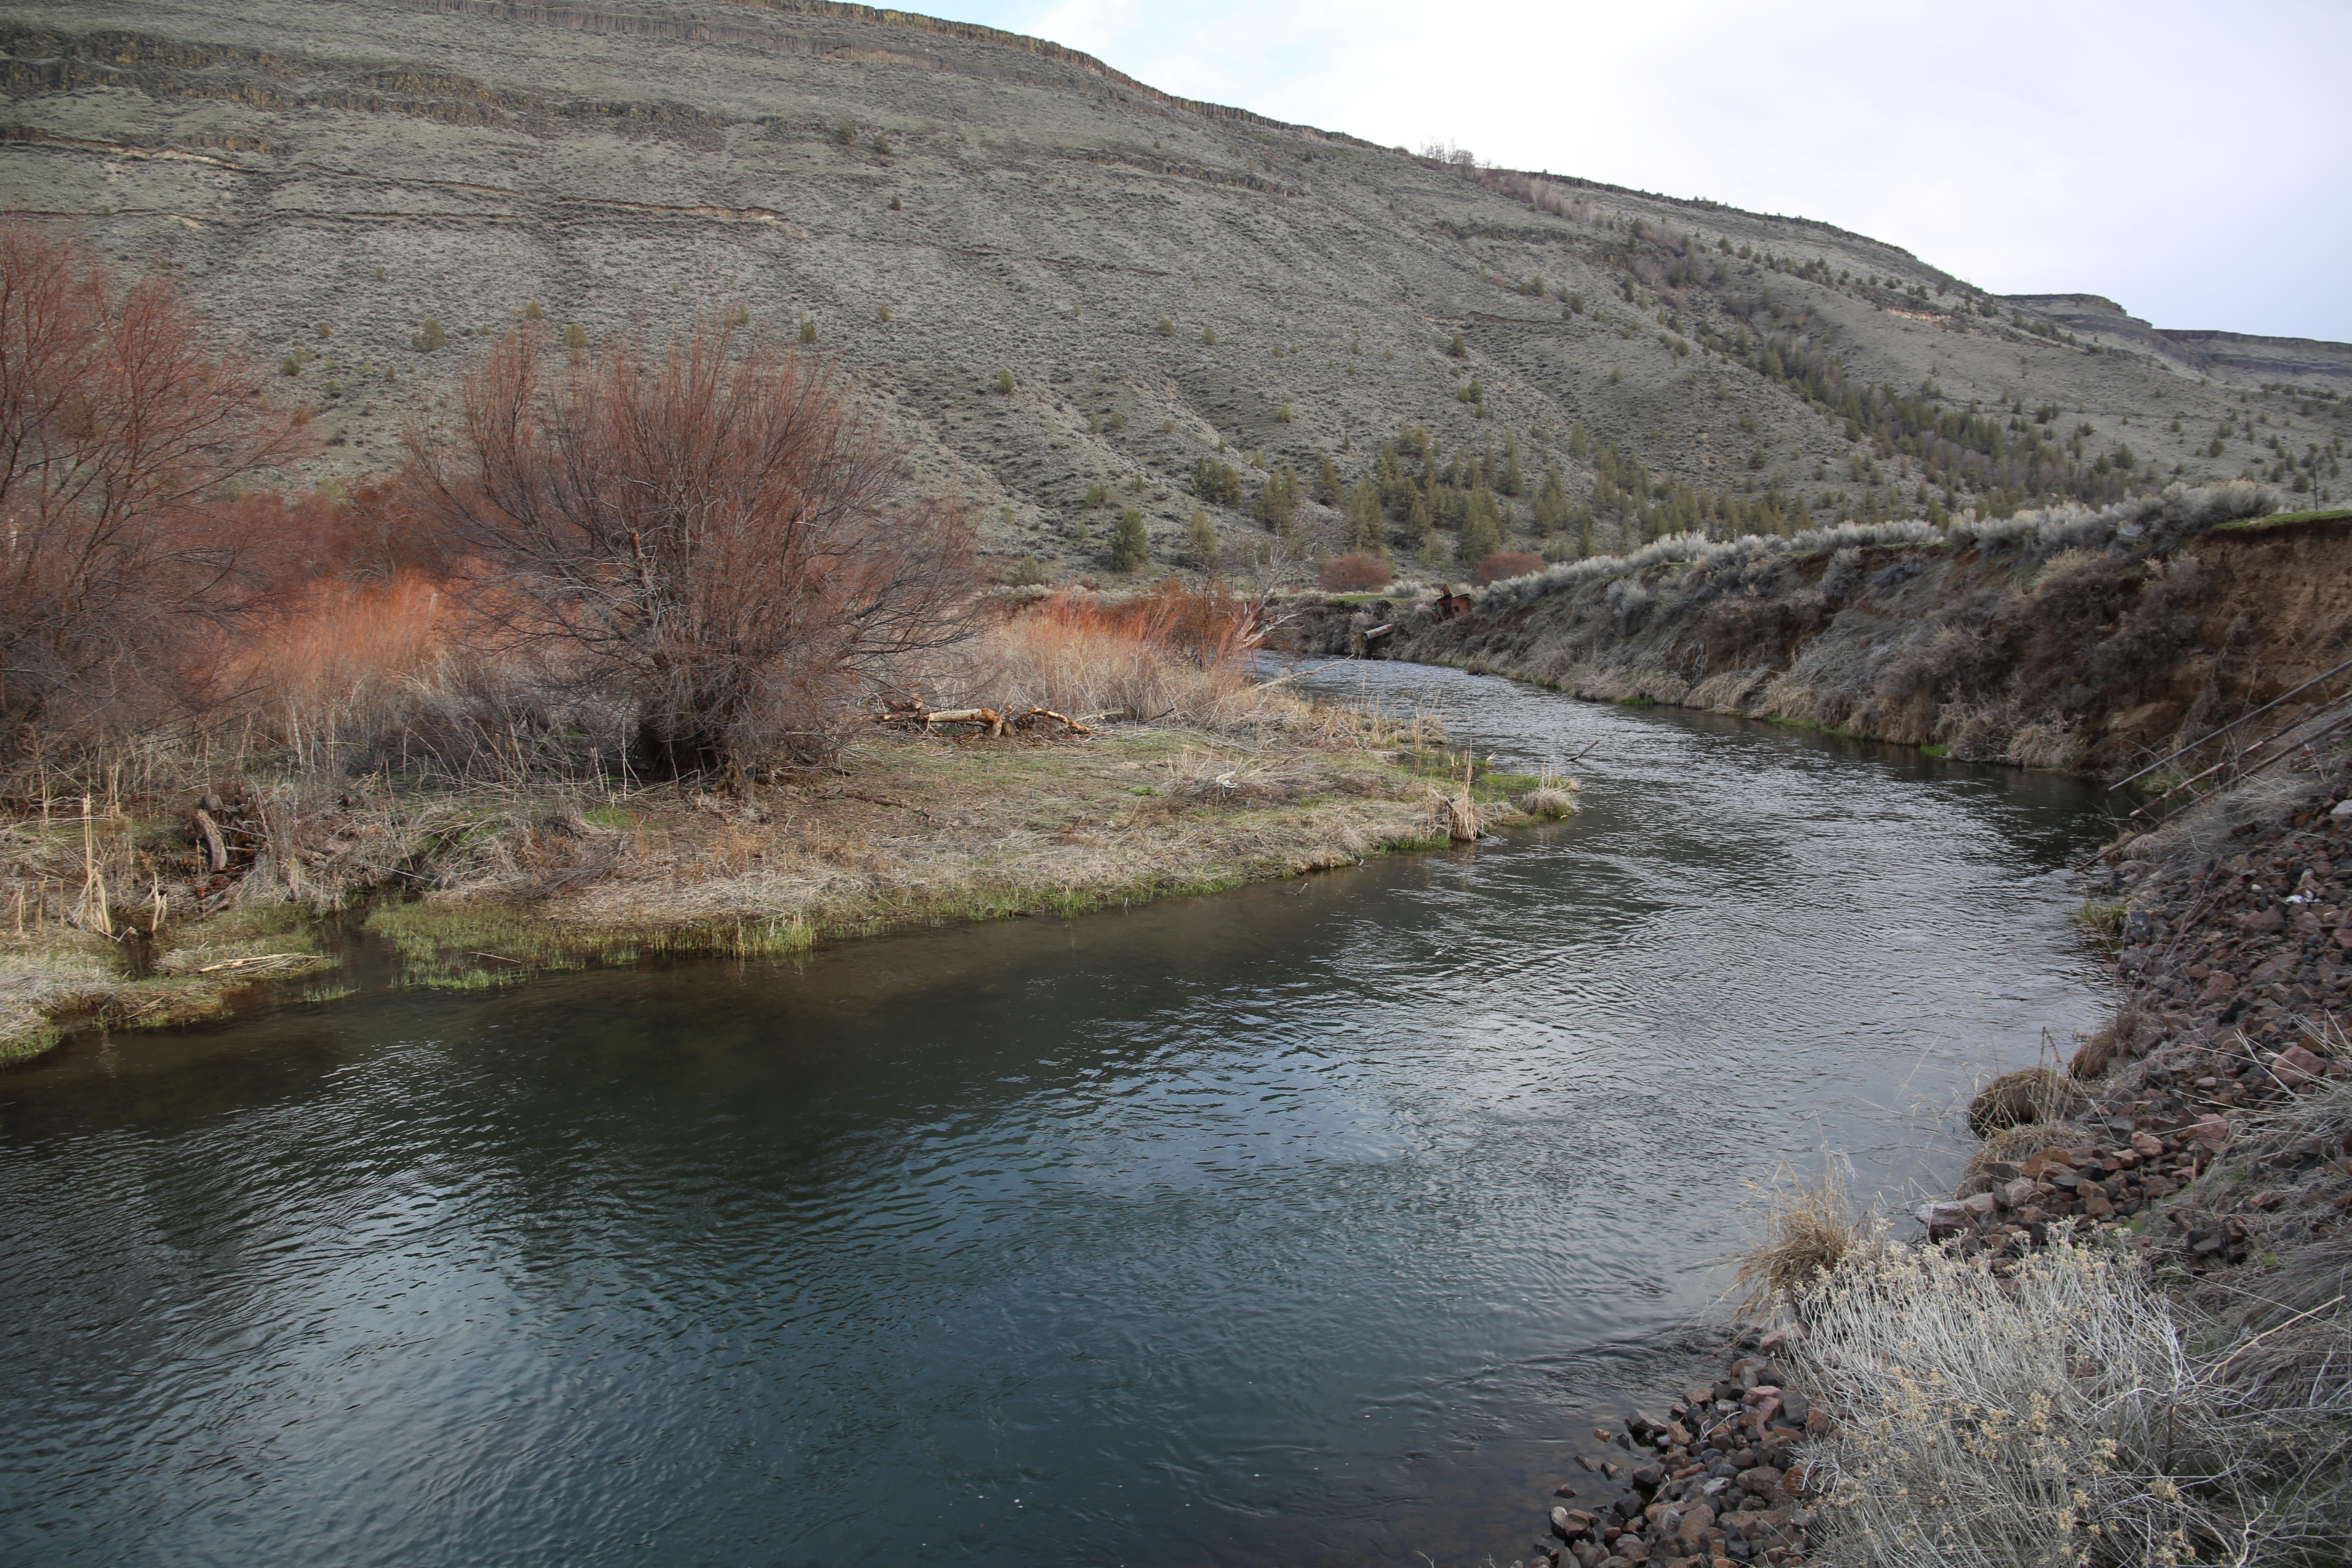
x,y
912,710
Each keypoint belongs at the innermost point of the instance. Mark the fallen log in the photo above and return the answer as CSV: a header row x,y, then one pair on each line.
x,y
988,716
1067,724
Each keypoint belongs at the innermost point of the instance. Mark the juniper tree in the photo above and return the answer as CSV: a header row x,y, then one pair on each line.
x,y
1203,541
1327,483
1365,534
1277,498
1482,529
1130,546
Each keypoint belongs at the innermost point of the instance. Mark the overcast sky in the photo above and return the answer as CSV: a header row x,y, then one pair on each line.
x,y
2192,162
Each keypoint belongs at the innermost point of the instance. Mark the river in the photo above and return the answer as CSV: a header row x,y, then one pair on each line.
x,y
1309,1223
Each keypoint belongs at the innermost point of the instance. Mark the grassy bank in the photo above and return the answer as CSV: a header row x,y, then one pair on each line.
x,y
489,885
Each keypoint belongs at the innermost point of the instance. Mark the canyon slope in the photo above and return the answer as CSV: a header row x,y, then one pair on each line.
x,y
1068,291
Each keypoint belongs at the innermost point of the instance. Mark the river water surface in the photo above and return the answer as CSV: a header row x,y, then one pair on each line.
x,y
1301,1223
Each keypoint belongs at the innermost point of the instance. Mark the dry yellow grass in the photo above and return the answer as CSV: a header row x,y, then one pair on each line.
x,y
1811,1226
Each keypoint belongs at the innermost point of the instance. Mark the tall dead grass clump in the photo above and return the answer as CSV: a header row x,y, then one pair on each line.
x,y
1176,655
2055,1416
1811,1226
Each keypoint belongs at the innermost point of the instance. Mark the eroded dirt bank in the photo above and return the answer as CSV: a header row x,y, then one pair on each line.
x,y
2087,642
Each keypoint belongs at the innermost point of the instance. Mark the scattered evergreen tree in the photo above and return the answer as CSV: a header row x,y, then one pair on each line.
x,y
1277,498
1203,541
1327,483
1217,483
1130,546
1365,534
1550,504
1005,383
1509,482
1482,529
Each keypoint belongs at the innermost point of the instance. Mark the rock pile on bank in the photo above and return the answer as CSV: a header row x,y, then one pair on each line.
x,y
1718,1480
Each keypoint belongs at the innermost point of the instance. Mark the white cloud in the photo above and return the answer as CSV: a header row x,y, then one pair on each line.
x,y
2192,161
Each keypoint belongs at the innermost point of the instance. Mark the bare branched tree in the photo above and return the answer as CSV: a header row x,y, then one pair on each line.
x,y
718,535
120,430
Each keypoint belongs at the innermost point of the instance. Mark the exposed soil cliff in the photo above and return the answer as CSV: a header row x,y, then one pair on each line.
x,y
2067,639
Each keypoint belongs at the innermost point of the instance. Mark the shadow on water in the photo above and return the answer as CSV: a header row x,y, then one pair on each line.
x,y
1300,1224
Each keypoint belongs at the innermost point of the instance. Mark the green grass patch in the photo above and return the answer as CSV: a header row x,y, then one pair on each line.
x,y
26,1044
2103,921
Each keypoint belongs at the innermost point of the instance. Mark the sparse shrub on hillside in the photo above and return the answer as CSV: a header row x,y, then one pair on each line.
x,y
575,336
1457,348
1282,415
533,311
429,337
1004,384
718,536
1167,329
808,329
895,204
1354,573
1208,336
1097,493
1130,545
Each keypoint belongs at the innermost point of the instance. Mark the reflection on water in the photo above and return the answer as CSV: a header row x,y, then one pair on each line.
x,y
1285,1225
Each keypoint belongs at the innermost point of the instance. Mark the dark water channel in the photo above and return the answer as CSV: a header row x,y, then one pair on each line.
x,y
1295,1225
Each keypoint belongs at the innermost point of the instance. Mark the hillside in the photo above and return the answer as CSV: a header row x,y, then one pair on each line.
x,y
953,211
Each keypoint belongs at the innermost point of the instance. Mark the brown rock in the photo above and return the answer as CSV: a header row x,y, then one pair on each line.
x,y
1694,1526
2297,1067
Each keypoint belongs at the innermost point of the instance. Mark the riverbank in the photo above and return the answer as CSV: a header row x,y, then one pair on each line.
x,y
487,886
2192,1165
2087,642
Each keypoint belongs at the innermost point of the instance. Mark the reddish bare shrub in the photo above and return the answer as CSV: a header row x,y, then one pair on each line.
x,y
716,536
1356,575
1504,563
119,432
